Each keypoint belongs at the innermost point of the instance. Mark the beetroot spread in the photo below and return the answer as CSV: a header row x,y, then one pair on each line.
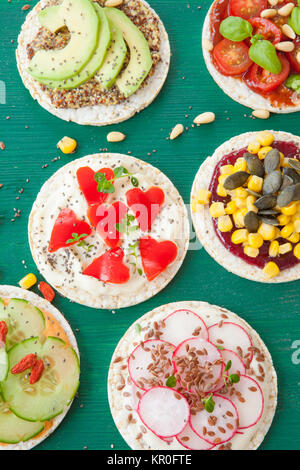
x,y
284,261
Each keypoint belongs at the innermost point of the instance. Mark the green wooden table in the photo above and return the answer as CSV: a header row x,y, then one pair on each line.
x,y
30,135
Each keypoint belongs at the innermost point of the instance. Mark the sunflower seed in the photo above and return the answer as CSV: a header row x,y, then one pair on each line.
x,y
236,180
294,163
266,202
292,174
254,164
286,196
272,182
272,160
251,221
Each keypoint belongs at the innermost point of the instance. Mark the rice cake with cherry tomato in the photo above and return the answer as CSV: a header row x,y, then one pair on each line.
x,y
138,264
126,399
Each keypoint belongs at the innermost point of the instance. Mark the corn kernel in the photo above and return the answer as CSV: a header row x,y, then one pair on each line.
x,y
277,233
239,236
238,218
226,170
221,191
217,209
255,183
240,202
67,145
297,251
255,240
294,238
296,217
291,209
263,152
297,225
283,219
250,204
240,165
252,252
285,163
265,138
253,147
28,281
231,207
267,231
225,223
285,248
203,196
287,230
281,158
274,248
241,192
271,269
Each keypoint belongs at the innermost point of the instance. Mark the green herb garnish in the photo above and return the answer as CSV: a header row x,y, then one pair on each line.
x,y
234,378
138,328
228,365
209,404
81,243
134,181
171,381
132,252
107,186
125,225
219,347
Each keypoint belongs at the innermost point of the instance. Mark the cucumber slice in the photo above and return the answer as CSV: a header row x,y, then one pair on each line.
x,y
3,364
57,386
14,429
23,321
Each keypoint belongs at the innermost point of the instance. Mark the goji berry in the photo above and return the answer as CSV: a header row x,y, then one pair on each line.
x,y
26,363
36,372
3,331
47,291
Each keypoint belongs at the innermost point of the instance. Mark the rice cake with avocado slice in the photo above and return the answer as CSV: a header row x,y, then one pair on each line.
x,y
83,23
91,103
50,18
57,326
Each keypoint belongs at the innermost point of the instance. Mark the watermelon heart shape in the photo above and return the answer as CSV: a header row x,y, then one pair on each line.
x,y
156,256
65,227
145,205
104,220
88,185
109,267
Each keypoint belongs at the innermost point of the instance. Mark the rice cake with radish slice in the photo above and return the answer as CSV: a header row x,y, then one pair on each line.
x,y
126,399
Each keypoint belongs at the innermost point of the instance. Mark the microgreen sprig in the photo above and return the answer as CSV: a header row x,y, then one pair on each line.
x,y
232,378
81,243
125,226
132,252
107,186
209,404
171,381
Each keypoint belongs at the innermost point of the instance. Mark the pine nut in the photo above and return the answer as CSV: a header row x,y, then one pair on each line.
x,y
288,31
268,13
286,10
207,45
113,3
205,118
285,46
176,131
273,3
115,137
261,113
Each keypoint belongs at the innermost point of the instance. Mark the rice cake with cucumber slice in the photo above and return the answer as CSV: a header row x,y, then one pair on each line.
x,y
113,233
252,227
160,387
105,95
19,396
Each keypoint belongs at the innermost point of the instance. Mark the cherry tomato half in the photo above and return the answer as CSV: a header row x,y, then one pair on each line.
x,y
267,29
264,81
231,58
292,56
247,8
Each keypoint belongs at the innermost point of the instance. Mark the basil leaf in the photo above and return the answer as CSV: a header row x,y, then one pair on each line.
x,y
294,20
293,82
263,53
235,28
171,381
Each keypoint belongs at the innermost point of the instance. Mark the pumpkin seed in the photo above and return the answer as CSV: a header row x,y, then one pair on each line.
x,y
253,193
272,182
286,196
292,174
270,221
268,212
286,181
272,160
251,221
294,163
297,192
236,180
254,164
266,202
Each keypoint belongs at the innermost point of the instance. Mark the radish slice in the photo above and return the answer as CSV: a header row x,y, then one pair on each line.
x,y
237,367
232,336
152,355
248,399
198,364
190,440
164,411
183,324
220,425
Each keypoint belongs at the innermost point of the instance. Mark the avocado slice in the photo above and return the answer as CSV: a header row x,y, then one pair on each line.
x,y
114,58
95,62
140,57
83,22
50,19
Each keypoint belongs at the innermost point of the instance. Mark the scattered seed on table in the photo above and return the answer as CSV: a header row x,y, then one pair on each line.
x,y
2,145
